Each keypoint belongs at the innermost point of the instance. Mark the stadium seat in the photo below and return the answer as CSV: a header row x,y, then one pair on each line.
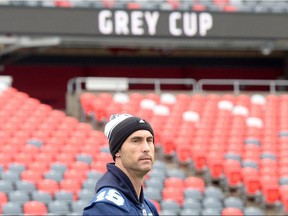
x,y
271,195
39,166
71,185
194,183
84,158
153,193
212,203
187,212
213,192
192,204
74,174
19,197
58,207
16,167
3,198
233,202
31,176
192,193
253,210
12,176
214,169
169,206
175,172
34,208
48,185
174,182
79,166
64,196
89,184
25,186
154,182
86,195
175,194
199,160
54,175
78,206
41,196
58,167
6,186
94,175
12,208
211,211
230,211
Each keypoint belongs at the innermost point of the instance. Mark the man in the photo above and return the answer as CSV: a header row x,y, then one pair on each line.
x,y
120,190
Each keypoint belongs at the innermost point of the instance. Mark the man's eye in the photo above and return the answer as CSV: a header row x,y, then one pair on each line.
x,y
136,140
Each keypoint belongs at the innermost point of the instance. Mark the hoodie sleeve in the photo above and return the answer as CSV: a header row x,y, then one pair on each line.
x,y
107,201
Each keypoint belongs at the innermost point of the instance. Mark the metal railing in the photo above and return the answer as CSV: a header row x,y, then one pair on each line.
x,y
79,84
238,84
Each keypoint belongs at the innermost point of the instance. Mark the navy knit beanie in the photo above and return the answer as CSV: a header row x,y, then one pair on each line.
x,y
120,127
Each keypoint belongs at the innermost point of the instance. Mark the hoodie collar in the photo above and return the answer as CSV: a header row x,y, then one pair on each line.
x,y
116,178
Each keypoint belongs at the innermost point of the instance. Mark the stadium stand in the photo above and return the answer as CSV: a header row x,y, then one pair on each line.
x,y
216,125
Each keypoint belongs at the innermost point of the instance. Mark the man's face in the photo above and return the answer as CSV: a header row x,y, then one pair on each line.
x,y
137,153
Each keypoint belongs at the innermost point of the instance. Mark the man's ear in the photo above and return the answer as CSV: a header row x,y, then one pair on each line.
x,y
117,154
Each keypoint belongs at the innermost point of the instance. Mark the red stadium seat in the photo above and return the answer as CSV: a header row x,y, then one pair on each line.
x,y
174,3
252,186
176,194
65,158
70,185
35,208
215,168
63,3
231,211
75,174
183,153
31,175
199,7
5,159
99,166
199,159
39,166
133,6
79,166
3,198
173,182
271,194
194,182
24,158
48,185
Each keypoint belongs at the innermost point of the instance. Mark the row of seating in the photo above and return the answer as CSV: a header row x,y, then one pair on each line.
x,y
176,193
195,5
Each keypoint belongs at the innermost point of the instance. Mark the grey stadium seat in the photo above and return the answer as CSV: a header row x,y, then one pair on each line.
x,y
25,186
191,193
6,186
77,207
234,202
86,195
18,197
41,196
58,207
11,208
64,196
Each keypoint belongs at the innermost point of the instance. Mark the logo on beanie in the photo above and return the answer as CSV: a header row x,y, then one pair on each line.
x,y
141,121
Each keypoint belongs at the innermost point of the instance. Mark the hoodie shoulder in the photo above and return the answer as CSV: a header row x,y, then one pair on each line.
x,y
108,201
